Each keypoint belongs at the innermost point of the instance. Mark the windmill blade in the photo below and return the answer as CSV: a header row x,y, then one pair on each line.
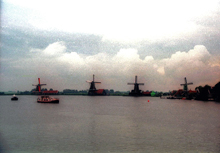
x,y
182,84
93,77
136,79
34,85
141,83
185,80
43,84
39,80
190,83
130,83
39,88
88,81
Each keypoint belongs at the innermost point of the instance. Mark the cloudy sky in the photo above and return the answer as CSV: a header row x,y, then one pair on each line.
x,y
65,42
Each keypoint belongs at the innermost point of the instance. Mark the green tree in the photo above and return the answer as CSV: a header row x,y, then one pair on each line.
x,y
203,92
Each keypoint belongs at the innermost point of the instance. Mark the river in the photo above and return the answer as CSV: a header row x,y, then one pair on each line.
x,y
108,124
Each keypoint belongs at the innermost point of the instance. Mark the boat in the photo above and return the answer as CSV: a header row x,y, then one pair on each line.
x,y
14,97
47,99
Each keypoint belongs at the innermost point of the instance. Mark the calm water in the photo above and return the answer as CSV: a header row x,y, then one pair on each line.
x,y
108,124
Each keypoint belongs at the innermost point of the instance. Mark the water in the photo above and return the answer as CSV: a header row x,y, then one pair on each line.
x,y
108,124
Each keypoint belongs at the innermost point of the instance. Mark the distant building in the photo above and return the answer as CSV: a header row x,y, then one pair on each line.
x,y
70,91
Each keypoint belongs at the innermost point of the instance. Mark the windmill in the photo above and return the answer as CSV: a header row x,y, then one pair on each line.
x,y
136,90
185,88
38,86
185,85
92,89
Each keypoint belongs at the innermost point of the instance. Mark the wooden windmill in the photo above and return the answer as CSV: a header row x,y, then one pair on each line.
x,y
38,86
92,89
136,91
185,85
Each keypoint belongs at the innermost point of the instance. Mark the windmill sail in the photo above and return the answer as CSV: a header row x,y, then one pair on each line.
x,y
38,86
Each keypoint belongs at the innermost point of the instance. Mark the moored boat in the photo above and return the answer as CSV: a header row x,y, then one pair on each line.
x,y
14,97
47,99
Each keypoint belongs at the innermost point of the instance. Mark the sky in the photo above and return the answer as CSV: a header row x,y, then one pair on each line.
x,y
65,42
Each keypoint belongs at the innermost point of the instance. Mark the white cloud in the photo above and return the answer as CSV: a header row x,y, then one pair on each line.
x,y
114,71
127,55
71,58
195,64
55,49
117,20
161,70
148,59
193,58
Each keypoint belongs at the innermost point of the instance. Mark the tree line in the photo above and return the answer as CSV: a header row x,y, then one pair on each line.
x,y
207,92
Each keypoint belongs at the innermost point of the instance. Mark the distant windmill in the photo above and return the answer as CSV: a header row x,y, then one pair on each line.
x,y
185,85
38,86
92,88
136,90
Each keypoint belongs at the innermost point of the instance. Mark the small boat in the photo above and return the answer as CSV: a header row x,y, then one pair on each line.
x,y
14,97
47,99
